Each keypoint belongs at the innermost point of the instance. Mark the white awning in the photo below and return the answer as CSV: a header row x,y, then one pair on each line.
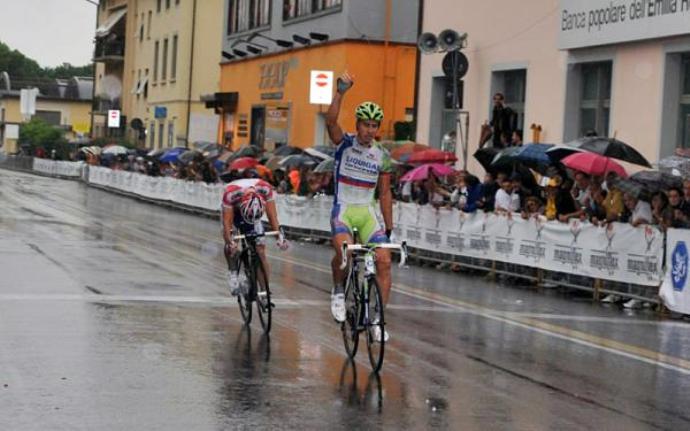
x,y
142,84
109,23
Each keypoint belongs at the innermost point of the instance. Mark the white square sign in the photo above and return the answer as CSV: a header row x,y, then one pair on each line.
x,y
114,119
12,131
321,87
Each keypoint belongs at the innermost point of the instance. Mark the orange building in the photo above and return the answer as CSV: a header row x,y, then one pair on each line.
x,y
272,91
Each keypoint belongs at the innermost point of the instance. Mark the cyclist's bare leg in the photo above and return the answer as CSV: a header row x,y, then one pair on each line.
x,y
339,274
383,272
261,250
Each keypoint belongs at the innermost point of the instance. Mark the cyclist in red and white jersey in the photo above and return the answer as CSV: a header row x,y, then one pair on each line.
x,y
244,204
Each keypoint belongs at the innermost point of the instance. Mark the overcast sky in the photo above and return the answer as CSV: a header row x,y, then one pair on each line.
x,y
51,32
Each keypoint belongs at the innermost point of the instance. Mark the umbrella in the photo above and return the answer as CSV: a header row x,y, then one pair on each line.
x,y
156,153
316,153
431,156
296,161
95,150
655,181
326,166
225,156
264,171
485,156
409,148
274,162
593,164
287,150
326,149
633,188
247,151
188,156
559,152
532,155
171,155
422,172
116,150
675,164
243,163
613,148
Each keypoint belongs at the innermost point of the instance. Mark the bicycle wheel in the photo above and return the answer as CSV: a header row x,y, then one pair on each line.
x,y
350,327
263,296
375,323
244,303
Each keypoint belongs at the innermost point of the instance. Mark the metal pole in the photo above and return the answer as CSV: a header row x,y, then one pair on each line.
x,y
191,76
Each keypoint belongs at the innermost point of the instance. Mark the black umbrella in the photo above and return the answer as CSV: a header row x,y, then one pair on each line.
x,y
611,147
656,181
296,161
633,188
248,151
560,152
485,156
287,150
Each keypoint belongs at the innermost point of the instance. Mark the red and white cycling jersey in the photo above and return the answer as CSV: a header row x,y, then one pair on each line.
x,y
236,189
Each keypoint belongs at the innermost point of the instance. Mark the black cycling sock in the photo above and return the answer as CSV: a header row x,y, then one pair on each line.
x,y
338,288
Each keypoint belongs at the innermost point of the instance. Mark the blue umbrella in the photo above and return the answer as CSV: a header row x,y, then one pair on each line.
x,y
171,156
530,154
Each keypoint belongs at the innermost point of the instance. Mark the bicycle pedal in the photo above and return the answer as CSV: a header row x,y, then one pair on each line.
x,y
272,305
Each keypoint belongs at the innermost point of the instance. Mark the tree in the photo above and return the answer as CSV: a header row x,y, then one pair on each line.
x,y
39,134
23,68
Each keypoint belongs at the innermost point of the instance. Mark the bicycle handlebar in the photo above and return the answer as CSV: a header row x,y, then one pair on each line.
x,y
256,235
359,247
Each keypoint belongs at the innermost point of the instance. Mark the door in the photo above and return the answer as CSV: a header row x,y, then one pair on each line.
x,y
258,131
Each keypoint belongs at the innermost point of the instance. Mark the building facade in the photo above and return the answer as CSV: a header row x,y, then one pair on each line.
x,y
270,48
569,67
169,63
62,103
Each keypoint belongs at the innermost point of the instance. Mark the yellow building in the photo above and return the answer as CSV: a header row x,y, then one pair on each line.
x,y
65,104
171,61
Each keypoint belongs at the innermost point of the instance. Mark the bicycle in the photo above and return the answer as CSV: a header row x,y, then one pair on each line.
x,y
257,281
363,300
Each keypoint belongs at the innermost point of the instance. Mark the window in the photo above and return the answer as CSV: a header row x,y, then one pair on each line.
x,y
141,28
167,4
138,83
51,117
177,2
161,130
512,84
146,86
296,8
595,98
148,25
159,4
684,134
171,133
155,61
164,68
152,133
173,65
244,15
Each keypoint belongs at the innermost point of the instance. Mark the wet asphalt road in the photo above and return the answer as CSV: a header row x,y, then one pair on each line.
x,y
114,315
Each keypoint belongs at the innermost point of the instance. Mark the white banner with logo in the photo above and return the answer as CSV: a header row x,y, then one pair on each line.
x,y
620,252
60,168
675,291
191,193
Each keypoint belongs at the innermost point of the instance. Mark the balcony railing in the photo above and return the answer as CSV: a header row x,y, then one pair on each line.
x,y
109,51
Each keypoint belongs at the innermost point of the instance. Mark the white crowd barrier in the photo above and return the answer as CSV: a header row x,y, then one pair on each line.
x,y
191,193
58,168
620,252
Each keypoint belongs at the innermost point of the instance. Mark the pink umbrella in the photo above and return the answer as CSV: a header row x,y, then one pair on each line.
x,y
422,172
593,164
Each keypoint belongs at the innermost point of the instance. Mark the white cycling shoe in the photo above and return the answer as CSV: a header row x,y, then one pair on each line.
x,y
338,307
377,334
236,282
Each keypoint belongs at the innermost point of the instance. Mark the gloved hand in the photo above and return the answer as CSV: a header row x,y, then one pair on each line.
x,y
344,83
230,248
282,243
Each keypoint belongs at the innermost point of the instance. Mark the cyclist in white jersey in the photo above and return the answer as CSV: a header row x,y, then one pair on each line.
x,y
361,165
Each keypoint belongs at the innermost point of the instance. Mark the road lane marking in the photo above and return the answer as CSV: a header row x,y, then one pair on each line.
x,y
630,351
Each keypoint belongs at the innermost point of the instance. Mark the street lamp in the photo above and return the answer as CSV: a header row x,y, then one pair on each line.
x,y
301,40
280,42
321,37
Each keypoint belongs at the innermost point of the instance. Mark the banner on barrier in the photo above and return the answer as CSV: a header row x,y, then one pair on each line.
x,y
55,167
675,291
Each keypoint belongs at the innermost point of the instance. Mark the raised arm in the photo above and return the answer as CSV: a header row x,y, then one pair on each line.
x,y
335,132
